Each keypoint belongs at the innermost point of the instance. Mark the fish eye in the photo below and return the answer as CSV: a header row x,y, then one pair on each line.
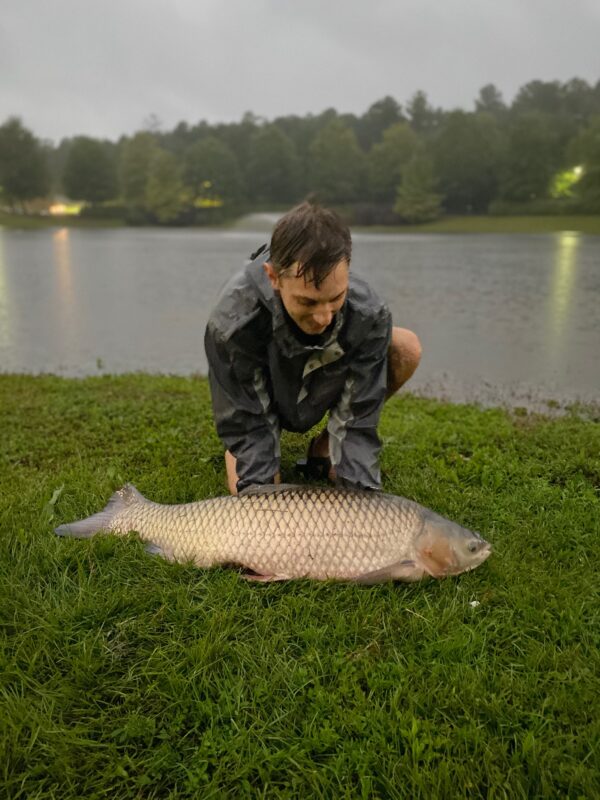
x,y
473,547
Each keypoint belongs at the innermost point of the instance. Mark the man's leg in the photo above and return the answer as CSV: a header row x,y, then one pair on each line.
x,y
232,477
404,355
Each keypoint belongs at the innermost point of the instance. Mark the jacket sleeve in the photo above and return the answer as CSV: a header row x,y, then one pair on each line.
x,y
353,441
242,408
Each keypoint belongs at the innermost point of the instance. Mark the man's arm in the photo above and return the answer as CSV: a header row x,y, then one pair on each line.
x,y
353,441
242,409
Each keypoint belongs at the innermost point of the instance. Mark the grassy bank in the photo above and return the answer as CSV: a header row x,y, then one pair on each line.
x,y
489,224
469,224
36,221
124,676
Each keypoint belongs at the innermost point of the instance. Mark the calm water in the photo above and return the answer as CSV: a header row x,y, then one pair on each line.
x,y
502,318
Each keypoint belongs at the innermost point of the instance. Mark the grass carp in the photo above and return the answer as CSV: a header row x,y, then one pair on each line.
x,y
286,531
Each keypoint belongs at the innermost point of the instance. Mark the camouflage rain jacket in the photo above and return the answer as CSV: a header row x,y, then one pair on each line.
x,y
264,377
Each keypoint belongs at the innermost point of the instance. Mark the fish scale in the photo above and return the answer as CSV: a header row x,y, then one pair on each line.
x,y
281,532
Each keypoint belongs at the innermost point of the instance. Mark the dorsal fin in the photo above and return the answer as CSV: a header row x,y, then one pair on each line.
x,y
273,488
127,495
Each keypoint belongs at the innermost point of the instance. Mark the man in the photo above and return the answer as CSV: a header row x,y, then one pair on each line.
x,y
294,335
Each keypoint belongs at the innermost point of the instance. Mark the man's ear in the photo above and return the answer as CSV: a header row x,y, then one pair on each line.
x,y
271,274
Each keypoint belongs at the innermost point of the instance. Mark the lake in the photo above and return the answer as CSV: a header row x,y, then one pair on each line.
x,y
504,319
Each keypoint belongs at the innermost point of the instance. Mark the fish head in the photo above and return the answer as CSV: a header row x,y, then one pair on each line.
x,y
445,548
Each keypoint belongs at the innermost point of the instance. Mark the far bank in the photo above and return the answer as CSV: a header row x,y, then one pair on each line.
x,y
588,224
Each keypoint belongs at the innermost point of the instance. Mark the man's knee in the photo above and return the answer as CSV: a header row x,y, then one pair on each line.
x,y
404,356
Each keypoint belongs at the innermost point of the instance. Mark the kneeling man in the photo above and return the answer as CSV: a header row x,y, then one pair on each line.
x,y
294,335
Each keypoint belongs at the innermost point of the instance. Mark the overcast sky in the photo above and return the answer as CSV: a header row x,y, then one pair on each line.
x,y
74,67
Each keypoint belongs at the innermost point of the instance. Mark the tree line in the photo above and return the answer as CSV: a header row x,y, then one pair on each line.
x,y
394,163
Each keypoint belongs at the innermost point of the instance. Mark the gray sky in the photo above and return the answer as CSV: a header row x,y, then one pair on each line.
x,y
75,67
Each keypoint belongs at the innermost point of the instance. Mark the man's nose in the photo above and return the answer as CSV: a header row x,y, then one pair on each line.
x,y
323,318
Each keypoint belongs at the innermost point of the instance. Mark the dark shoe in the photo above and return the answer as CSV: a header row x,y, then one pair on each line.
x,y
313,467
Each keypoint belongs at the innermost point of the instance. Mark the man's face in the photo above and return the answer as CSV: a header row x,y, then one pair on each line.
x,y
311,309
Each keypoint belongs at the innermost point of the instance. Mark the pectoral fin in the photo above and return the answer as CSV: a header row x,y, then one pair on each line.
x,y
406,570
438,557
154,550
249,576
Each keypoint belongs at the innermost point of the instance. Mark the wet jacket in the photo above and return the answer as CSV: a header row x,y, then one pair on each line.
x,y
264,378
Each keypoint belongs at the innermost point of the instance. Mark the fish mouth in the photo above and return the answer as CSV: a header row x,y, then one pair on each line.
x,y
481,556
476,560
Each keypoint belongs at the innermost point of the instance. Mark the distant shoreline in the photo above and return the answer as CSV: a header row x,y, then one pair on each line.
x,y
488,224
589,224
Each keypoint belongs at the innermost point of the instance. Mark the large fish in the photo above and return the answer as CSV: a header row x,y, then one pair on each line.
x,y
283,532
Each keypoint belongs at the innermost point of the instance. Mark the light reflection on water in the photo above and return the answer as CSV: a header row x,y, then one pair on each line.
x,y
6,326
561,293
492,311
65,301
62,261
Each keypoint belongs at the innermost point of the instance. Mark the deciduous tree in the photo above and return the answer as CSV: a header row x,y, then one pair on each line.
x,y
416,199
337,164
468,153
164,196
137,154
545,97
585,152
387,160
273,166
531,158
23,169
211,171
90,171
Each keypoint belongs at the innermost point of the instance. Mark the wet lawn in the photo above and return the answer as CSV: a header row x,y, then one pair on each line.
x,y
124,676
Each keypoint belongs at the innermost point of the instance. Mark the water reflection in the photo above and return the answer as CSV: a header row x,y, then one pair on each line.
x,y
564,277
5,306
561,290
65,291
62,260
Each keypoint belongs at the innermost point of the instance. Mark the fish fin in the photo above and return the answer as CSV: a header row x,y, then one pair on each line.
x,y
437,558
249,576
85,528
406,570
269,488
154,550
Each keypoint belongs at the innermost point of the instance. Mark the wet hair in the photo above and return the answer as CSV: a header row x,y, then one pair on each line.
x,y
314,238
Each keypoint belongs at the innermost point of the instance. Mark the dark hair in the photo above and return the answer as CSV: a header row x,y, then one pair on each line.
x,y
313,237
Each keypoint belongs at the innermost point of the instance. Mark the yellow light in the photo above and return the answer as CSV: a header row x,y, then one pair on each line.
x,y
563,182
65,209
205,202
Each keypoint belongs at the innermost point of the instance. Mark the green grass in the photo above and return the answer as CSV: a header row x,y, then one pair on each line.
x,y
35,221
124,676
489,224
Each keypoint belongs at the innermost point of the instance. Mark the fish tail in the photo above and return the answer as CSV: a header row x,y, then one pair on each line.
x,y
85,528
